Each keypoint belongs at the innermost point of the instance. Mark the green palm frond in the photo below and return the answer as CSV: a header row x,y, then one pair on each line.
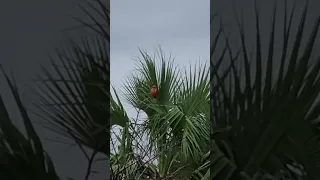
x,y
267,117
118,115
75,97
22,157
166,78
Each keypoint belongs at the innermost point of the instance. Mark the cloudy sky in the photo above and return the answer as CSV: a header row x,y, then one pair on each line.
x,y
180,27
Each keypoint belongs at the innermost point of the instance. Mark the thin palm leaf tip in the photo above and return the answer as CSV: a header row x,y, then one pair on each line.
x,y
267,119
75,97
177,125
20,153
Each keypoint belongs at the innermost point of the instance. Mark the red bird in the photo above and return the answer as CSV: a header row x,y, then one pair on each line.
x,y
154,91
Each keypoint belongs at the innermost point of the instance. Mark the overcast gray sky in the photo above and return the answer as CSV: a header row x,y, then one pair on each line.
x,y
180,27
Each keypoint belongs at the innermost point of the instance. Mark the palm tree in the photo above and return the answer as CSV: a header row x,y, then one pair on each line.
x,y
176,127
266,120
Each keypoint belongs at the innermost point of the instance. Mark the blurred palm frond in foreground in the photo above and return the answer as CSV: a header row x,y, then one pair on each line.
x,y
265,104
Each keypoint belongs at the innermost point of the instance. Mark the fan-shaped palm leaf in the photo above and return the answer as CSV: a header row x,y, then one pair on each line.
x,y
75,102
22,157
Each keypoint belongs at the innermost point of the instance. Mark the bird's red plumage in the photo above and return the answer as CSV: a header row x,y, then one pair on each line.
x,y
154,91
